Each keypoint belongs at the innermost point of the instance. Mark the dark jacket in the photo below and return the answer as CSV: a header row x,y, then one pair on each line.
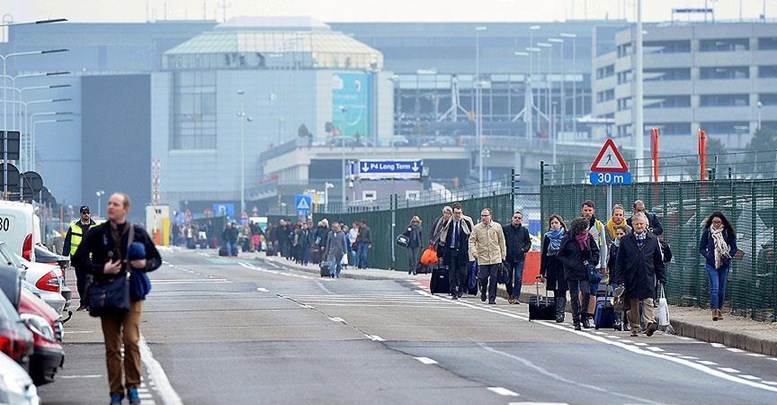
x,y
551,268
707,247
518,243
365,235
98,247
573,258
69,235
639,269
654,225
461,248
229,234
414,234
612,261
322,232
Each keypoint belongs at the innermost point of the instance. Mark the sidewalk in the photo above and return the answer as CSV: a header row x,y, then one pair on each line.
x,y
733,331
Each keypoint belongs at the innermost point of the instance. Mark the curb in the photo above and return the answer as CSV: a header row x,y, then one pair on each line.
x,y
681,328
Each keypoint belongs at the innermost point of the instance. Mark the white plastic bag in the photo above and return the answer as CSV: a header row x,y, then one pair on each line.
x,y
344,260
663,308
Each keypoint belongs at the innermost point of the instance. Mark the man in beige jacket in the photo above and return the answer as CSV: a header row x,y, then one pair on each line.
x,y
487,246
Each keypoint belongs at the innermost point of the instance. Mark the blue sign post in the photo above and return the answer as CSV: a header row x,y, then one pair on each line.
x,y
616,178
302,204
390,169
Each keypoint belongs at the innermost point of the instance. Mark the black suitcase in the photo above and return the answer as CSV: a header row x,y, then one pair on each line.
x,y
542,308
223,251
324,267
439,282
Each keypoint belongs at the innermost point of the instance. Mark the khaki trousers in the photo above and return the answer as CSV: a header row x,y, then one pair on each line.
x,y
647,312
118,329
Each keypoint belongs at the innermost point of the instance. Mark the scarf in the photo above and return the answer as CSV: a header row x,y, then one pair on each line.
x,y
611,227
722,249
555,237
582,241
616,242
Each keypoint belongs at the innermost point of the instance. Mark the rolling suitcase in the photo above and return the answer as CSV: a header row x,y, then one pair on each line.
x,y
542,308
222,251
472,278
324,267
439,282
604,314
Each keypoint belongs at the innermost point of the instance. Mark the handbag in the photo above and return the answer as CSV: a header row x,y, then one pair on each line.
x,y
593,274
111,296
502,275
666,251
402,240
140,285
663,308
429,257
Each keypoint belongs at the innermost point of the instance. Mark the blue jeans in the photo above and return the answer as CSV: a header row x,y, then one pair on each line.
x,y
575,287
718,279
515,279
231,248
361,254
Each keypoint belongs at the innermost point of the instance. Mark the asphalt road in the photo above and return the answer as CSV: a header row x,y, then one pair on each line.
x,y
230,331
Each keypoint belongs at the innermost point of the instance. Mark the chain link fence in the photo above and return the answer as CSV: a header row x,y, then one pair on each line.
x,y
682,207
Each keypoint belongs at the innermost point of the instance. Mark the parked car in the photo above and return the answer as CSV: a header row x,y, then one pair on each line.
x,y
16,387
44,255
441,141
15,340
48,355
21,227
43,279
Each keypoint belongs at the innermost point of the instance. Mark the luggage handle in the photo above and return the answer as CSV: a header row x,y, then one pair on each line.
x,y
537,282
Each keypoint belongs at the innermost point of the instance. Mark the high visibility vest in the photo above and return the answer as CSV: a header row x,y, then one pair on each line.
x,y
76,236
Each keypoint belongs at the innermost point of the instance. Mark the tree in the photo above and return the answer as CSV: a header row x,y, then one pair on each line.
x,y
761,153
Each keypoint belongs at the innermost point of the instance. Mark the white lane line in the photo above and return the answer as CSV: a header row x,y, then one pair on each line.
x,y
626,341
683,337
718,345
672,354
772,358
262,289
157,374
375,338
280,273
689,357
68,377
503,392
636,350
735,350
750,377
756,355
537,403
640,344
204,280
654,349
770,382
600,333
336,319
425,360
728,370
611,337
708,363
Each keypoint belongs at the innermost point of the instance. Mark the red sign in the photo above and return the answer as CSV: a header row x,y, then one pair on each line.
x,y
609,159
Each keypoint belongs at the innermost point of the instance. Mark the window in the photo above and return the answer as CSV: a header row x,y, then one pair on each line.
x,y
768,98
624,130
732,72
413,195
606,95
767,71
624,77
767,44
724,45
370,195
667,47
624,50
624,103
672,128
725,100
667,74
194,110
605,71
726,127
667,102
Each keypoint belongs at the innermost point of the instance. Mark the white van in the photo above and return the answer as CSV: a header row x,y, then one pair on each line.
x,y
20,228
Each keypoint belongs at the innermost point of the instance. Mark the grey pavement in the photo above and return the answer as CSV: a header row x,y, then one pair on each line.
x,y
734,331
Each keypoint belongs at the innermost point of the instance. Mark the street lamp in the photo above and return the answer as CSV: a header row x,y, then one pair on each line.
x,y
574,79
548,86
759,105
17,90
563,111
99,194
479,106
242,117
28,126
327,186
341,134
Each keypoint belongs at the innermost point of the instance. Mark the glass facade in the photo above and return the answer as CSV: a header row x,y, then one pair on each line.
x,y
194,110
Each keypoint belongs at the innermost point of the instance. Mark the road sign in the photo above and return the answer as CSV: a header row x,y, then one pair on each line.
x,y
609,159
13,144
390,169
610,178
302,203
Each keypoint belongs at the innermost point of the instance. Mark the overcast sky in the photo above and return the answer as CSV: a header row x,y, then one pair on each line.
x,y
374,10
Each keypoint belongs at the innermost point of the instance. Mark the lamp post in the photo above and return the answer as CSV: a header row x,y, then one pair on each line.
x,y
242,117
548,86
327,186
29,125
479,106
17,90
760,106
574,79
563,111
99,194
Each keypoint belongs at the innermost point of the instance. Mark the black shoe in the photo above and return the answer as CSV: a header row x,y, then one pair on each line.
x,y
586,321
483,296
455,297
651,328
577,325
491,302
460,294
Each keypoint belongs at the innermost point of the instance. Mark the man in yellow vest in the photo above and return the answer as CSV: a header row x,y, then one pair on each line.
x,y
75,234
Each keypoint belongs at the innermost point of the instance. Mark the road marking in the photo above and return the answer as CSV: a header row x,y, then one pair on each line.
x,y
640,344
158,376
626,341
375,338
708,363
735,350
718,345
683,337
689,357
770,382
612,337
194,280
749,377
503,392
68,377
634,349
654,349
672,354
262,290
728,370
756,355
537,403
600,333
772,358
280,273
337,319
425,360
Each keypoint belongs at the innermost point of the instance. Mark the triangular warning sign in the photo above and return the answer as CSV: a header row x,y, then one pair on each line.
x,y
303,205
609,159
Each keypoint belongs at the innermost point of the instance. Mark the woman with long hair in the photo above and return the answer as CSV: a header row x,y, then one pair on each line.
x,y
718,244
551,268
578,251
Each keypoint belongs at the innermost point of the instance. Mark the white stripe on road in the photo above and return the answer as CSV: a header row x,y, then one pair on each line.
x,y
280,273
728,370
735,350
262,290
708,363
503,391
336,319
654,349
770,382
68,377
718,345
699,367
426,360
195,280
756,355
375,338
537,403
158,376
750,377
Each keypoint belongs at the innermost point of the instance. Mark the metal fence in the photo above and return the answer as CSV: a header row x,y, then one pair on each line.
x,y
682,207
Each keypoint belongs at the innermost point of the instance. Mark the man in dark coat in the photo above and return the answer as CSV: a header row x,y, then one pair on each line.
x,y
518,243
654,224
639,266
455,234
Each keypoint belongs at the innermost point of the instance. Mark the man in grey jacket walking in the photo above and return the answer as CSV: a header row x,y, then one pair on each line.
x,y
335,249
